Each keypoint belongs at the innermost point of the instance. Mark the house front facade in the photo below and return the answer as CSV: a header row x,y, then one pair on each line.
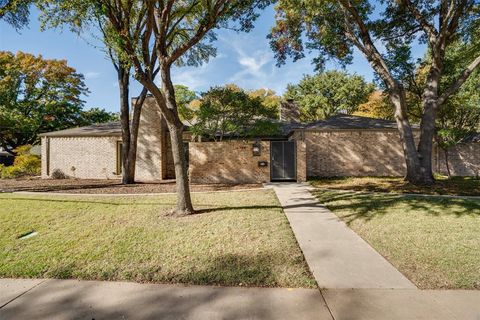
x,y
342,145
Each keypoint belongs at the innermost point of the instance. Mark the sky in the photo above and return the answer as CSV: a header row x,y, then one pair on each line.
x,y
242,58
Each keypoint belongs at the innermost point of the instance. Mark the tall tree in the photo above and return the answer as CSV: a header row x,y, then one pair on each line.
x,y
268,97
335,28
96,115
377,106
15,12
328,93
84,16
226,111
177,33
36,95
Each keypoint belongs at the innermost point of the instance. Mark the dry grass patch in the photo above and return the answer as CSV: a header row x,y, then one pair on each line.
x,y
434,241
240,238
463,186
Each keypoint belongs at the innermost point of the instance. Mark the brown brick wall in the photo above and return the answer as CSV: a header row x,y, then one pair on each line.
x,y
301,161
463,160
228,162
354,153
81,157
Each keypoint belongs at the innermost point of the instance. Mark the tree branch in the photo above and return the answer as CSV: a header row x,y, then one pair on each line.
x,y
460,81
426,26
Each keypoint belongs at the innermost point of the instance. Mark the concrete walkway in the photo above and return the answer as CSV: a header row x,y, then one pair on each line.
x,y
337,256
73,299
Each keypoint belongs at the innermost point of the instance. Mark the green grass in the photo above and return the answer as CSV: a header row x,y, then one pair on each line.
x,y
239,238
434,241
464,186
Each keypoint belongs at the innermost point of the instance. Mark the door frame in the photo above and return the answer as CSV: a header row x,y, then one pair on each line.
x,y
294,160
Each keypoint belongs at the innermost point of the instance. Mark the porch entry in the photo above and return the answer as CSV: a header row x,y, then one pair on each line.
x,y
283,161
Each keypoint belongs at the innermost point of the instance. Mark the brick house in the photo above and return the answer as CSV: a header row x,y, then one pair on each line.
x,y
342,145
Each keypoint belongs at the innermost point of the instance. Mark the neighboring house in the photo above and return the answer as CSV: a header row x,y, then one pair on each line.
x,y
342,145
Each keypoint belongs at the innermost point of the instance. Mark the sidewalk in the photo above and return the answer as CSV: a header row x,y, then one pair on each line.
x,y
337,256
73,299
356,282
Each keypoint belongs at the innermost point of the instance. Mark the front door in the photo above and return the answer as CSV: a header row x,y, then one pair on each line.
x,y
283,166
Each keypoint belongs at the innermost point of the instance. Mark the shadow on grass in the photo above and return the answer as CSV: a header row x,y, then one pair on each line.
x,y
204,208
368,206
226,269
227,208
462,186
80,201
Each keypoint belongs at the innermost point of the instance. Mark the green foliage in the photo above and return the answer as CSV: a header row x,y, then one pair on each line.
x,y
331,28
226,111
328,93
268,97
25,164
457,121
184,97
97,115
15,12
36,95
460,115
377,106
39,95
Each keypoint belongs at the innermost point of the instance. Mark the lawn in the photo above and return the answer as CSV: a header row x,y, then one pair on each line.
x,y
434,241
464,186
238,238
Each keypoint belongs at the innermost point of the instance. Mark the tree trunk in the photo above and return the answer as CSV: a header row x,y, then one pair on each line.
x,y
165,99
132,151
128,171
184,201
427,125
175,126
412,161
445,152
425,146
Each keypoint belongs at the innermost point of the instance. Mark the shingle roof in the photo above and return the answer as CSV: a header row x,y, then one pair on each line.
x,y
344,121
95,130
337,122
108,129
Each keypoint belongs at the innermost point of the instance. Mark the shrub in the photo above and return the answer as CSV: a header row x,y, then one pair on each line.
x,y
25,164
12,172
28,164
58,174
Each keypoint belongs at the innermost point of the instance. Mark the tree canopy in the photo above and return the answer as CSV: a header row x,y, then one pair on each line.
x,y
225,111
384,32
171,33
184,98
328,93
39,95
15,12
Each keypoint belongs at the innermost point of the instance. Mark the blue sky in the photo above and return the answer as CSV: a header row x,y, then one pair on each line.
x,y
243,58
